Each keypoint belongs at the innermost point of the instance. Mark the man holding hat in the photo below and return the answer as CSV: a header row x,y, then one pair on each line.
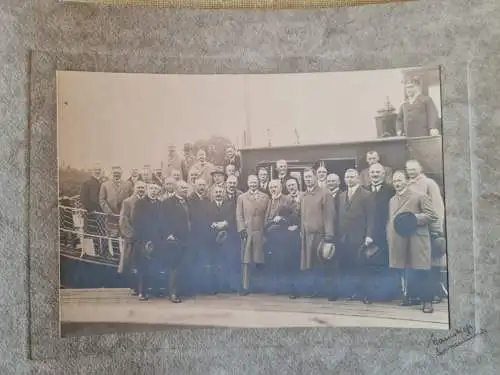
x,y
281,218
356,224
219,179
317,222
177,226
221,228
147,224
409,240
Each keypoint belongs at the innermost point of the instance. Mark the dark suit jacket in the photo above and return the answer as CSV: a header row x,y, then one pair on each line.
x,y
381,211
176,220
336,207
356,218
89,194
198,209
416,119
226,212
265,189
147,222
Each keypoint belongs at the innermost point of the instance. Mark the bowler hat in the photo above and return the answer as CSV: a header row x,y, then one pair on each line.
x,y
370,251
274,227
326,251
218,170
438,246
221,237
405,224
148,249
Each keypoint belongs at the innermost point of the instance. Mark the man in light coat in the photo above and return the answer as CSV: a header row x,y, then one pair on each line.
x,y
203,168
317,223
413,252
127,231
250,214
419,182
281,220
113,192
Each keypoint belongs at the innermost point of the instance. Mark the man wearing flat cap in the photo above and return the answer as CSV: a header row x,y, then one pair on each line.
x,y
219,179
409,240
418,115
281,219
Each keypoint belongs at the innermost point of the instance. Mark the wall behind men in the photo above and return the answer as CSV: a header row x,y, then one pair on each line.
x,y
450,32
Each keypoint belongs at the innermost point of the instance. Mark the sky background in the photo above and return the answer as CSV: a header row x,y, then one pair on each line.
x,y
131,119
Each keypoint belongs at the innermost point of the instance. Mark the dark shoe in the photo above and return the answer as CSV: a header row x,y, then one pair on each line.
x,y
244,293
367,301
333,298
292,296
175,299
143,297
427,308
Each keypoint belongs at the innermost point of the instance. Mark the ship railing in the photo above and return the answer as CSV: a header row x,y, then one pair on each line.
x,y
90,233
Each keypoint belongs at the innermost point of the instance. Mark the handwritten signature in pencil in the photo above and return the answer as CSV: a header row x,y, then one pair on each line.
x,y
455,338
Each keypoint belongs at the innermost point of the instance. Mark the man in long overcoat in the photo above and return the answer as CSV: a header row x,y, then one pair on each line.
x,y
412,252
198,210
127,231
250,214
281,217
177,221
316,218
147,228
419,182
112,193
219,253
89,198
356,225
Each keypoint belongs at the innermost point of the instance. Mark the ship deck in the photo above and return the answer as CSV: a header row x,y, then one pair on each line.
x,y
93,311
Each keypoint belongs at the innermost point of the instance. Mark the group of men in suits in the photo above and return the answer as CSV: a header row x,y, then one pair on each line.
x,y
275,223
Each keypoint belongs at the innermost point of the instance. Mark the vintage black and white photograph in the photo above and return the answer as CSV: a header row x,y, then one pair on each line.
x,y
251,200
